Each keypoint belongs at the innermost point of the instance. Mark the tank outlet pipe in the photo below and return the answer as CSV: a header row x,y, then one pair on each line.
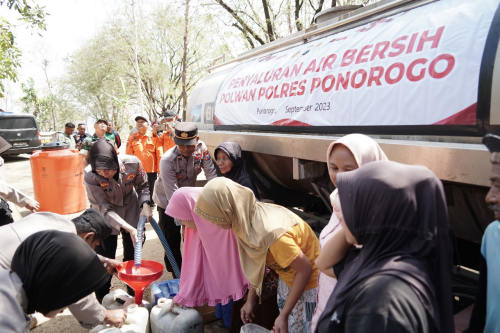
x,y
138,244
168,251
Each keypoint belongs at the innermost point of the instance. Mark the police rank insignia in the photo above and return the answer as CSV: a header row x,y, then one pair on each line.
x,y
104,184
130,177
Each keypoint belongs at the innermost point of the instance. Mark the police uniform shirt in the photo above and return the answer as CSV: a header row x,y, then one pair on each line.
x,y
87,310
123,196
13,301
177,171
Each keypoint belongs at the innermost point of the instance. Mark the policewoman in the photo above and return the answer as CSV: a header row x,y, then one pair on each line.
x,y
118,189
179,167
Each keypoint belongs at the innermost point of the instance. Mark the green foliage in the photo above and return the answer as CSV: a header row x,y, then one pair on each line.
x,y
10,55
29,12
50,111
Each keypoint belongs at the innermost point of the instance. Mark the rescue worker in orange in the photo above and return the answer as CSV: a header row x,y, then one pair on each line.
x,y
165,133
144,145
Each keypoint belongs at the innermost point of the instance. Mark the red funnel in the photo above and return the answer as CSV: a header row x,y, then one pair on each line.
x,y
138,278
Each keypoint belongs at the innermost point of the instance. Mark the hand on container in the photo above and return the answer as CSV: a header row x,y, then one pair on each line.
x,y
33,205
111,265
280,324
247,310
147,211
115,317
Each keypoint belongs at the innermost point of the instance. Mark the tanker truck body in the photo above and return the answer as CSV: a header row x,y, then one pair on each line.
x,y
420,77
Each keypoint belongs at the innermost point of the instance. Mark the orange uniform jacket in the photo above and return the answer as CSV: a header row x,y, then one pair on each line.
x,y
165,142
144,147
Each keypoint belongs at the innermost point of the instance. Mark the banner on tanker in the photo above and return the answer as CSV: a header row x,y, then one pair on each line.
x,y
419,67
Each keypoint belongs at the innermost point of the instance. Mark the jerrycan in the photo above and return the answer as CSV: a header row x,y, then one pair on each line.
x,y
119,299
137,322
253,328
168,318
57,175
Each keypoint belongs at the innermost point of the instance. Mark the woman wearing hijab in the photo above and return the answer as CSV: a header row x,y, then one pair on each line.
x,y
205,279
117,188
50,270
269,235
399,281
345,154
231,165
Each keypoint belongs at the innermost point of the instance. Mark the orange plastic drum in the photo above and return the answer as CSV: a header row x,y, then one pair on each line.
x,y
57,175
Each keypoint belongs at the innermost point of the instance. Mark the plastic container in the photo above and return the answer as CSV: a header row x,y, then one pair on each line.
x,y
253,328
119,299
57,175
164,289
137,322
168,318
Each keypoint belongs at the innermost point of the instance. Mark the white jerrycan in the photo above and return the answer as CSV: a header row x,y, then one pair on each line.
x,y
137,322
167,318
119,299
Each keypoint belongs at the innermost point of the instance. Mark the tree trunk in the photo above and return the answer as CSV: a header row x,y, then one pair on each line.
x,y
241,22
298,6
269,23
184,61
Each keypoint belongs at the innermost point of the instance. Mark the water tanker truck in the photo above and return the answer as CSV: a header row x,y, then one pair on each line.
x,y
421,77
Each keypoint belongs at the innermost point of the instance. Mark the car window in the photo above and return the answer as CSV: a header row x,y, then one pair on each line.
x,y
17,123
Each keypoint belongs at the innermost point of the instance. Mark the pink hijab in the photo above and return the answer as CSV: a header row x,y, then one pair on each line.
x,y
205,278
365,150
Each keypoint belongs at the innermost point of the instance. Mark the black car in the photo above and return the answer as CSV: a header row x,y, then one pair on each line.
x,y
21,131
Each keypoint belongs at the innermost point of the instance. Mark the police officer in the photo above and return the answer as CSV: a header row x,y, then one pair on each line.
x,y
179,167
118,189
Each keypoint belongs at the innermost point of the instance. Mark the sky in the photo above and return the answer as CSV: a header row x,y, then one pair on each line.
x,y
69,24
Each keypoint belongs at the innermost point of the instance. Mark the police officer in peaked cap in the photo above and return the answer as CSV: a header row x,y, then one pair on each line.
x,y
179,167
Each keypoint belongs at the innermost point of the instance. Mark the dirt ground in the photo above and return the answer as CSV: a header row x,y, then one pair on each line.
x,y
17,172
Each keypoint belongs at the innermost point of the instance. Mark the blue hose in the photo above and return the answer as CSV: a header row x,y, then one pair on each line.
x,y
138,244
168,252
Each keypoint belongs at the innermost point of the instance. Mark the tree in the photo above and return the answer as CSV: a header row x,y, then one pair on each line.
x,y
50,111
267,20
97,78
103,73
10,55
184,57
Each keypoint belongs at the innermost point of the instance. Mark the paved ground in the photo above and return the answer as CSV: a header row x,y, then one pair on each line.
x,y
18,173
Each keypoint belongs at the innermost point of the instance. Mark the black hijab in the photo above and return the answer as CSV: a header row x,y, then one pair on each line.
x,y
103,156
57,269
398,213
238,172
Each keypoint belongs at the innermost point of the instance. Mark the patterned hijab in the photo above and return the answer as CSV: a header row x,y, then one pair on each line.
x,y
257,225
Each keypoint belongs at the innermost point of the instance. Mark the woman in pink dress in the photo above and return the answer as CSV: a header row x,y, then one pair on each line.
x,y
205,278
345,154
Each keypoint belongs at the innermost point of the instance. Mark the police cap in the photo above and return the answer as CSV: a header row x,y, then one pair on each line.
x,y
492,142
185,134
